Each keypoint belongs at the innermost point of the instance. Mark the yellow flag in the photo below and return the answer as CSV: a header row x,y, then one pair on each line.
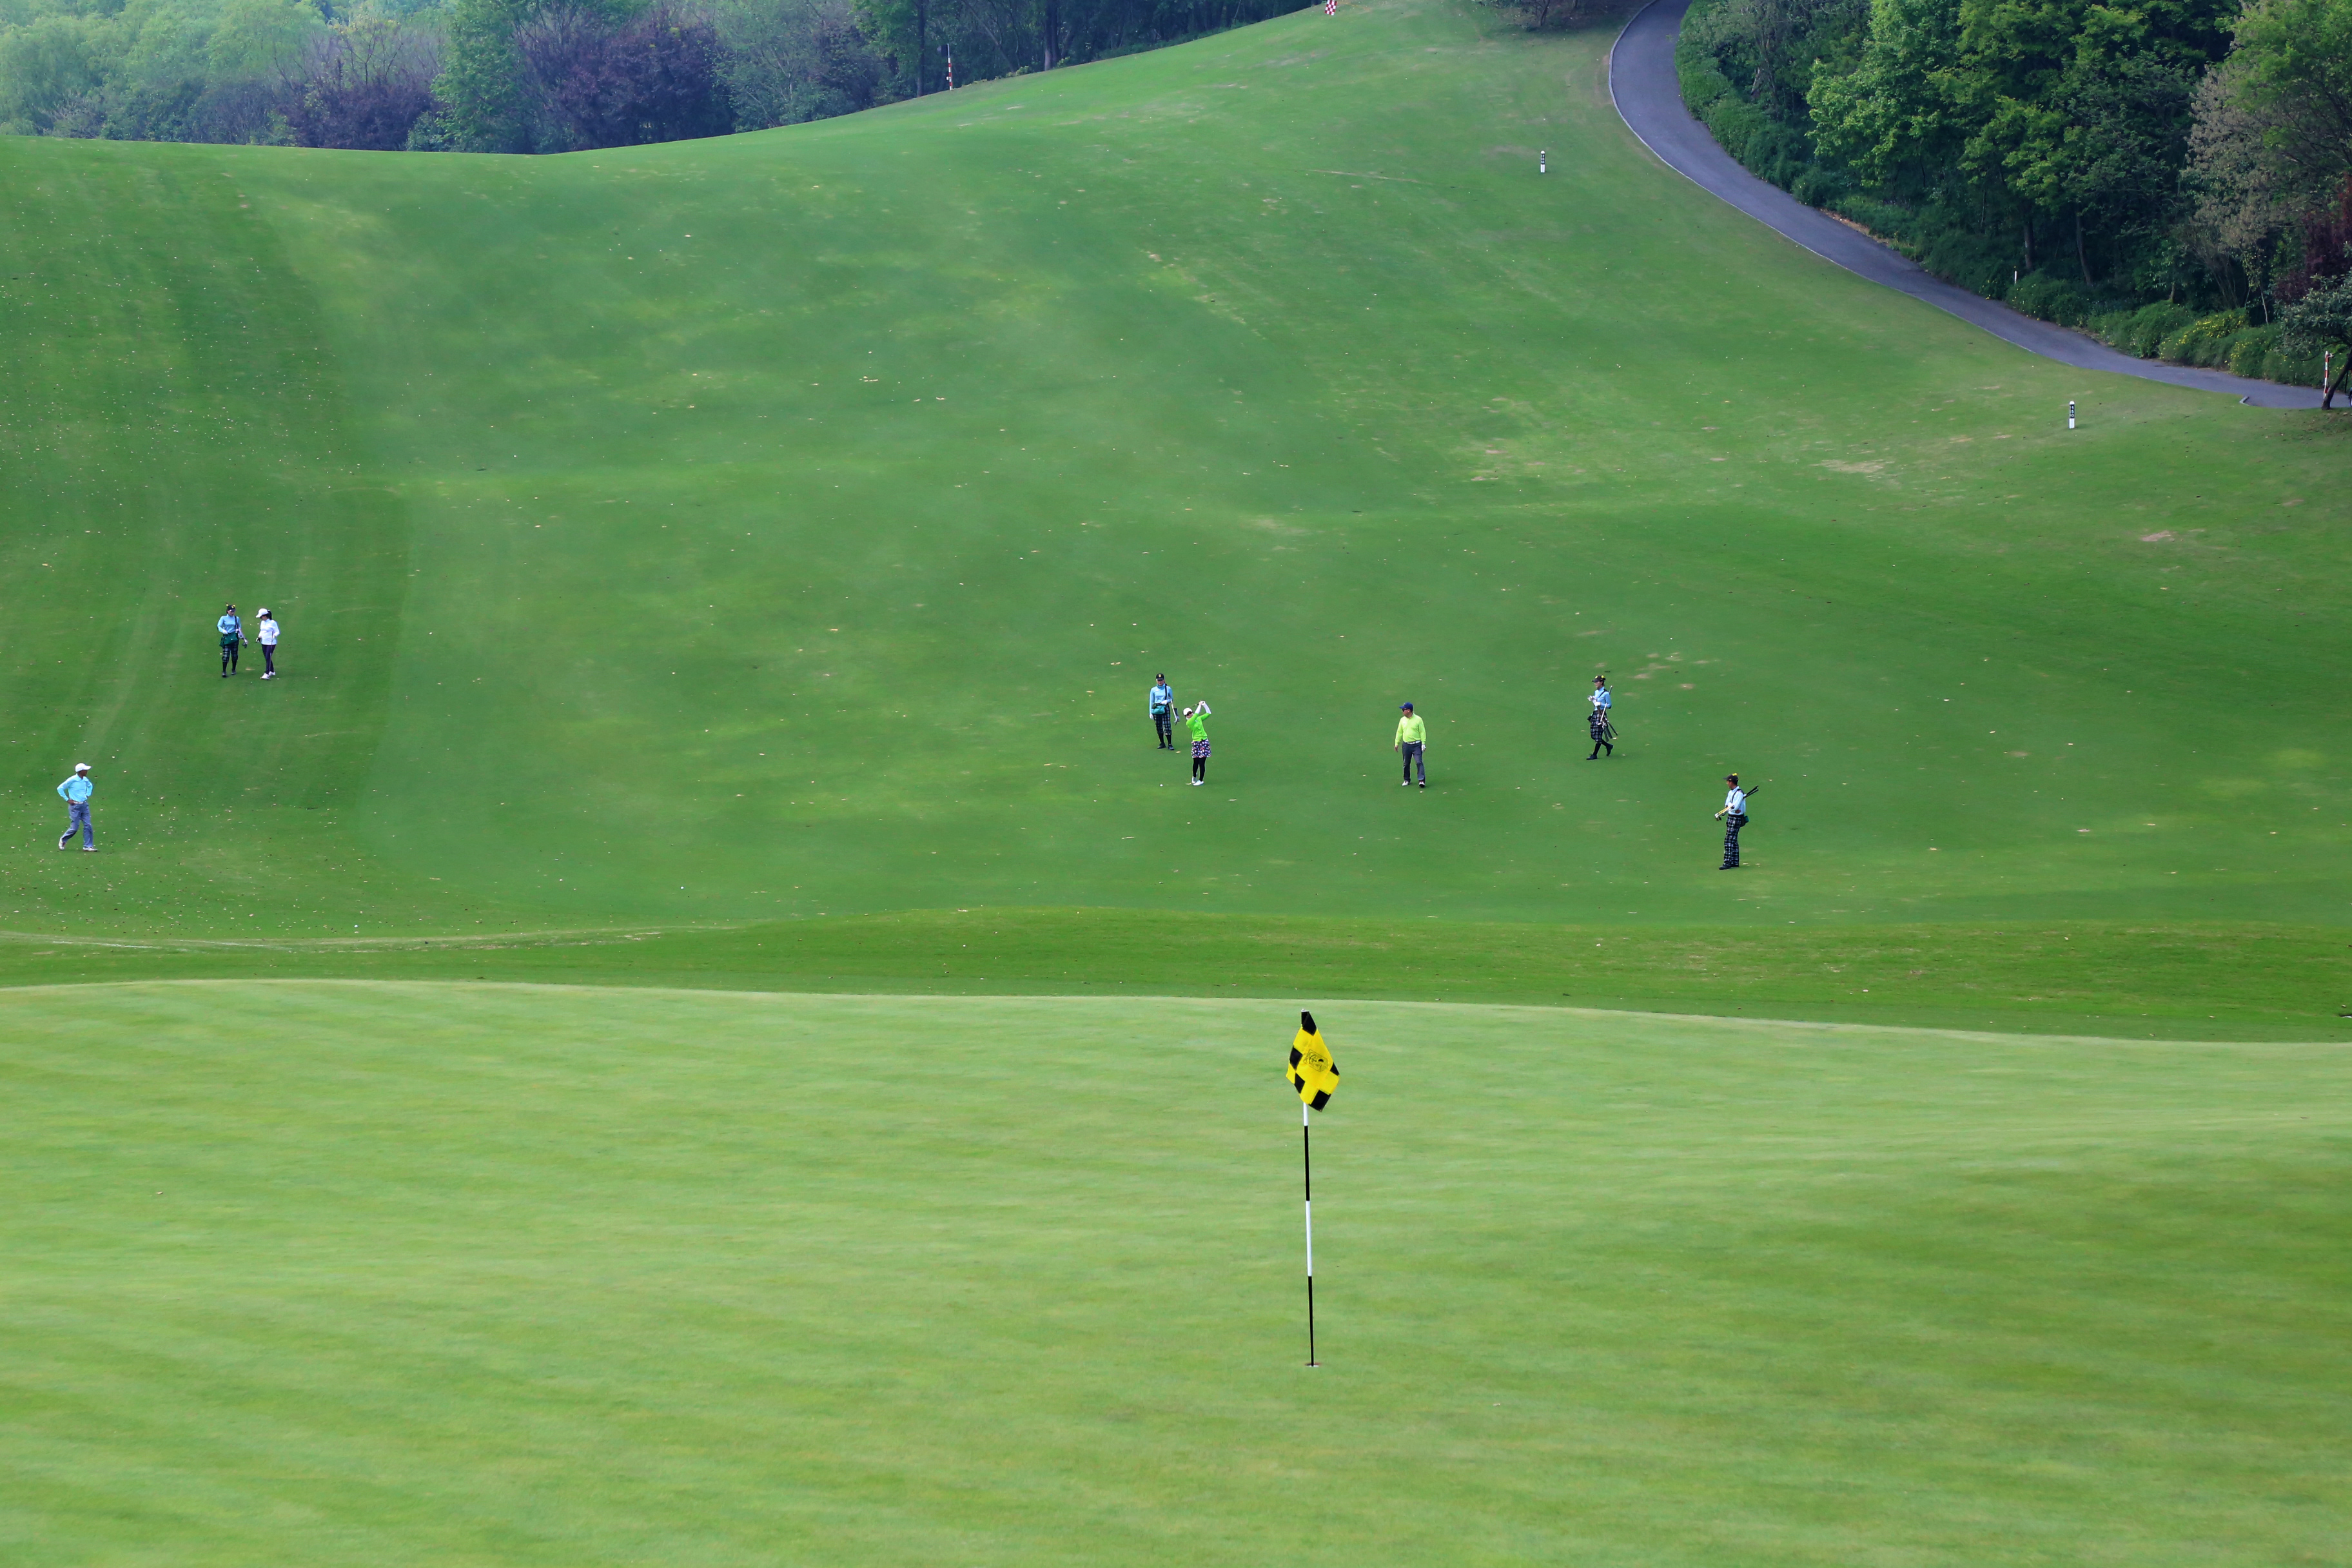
x,y
1312,1072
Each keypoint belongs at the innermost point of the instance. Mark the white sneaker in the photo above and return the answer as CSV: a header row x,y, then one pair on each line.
x,y
90,848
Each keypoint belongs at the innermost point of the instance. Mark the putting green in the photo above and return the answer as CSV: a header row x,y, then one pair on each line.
x,y
400,1273
788,526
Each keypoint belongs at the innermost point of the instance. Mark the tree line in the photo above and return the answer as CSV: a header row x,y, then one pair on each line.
x,y
2175,175
532,75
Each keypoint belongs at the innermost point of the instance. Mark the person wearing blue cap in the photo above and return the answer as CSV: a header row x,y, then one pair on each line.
x,y
1163,711
1412,743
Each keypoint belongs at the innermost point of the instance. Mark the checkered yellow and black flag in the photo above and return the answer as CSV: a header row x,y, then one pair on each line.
x,y
1312,1072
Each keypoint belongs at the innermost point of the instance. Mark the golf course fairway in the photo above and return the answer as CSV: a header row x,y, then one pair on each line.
x,y
336,1272
693,1024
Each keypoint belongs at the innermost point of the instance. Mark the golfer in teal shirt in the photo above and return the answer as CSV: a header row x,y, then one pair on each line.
x,y
1163,703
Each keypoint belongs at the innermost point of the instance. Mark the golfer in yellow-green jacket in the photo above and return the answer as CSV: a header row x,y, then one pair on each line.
x,y
1412,743
1196,719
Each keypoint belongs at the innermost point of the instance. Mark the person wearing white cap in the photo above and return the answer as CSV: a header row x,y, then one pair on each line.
x,y
265,631
75,792
1196,719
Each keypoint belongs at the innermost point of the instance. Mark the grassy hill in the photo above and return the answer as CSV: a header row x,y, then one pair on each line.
x,y
787,526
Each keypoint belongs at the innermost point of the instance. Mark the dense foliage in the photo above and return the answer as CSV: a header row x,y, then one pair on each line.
x,y
2174,175
531,76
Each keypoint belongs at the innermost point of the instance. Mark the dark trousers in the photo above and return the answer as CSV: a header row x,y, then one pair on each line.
x,y
1164,723
1413,759
1602,743
1199,766
228,656
1731,827
269,658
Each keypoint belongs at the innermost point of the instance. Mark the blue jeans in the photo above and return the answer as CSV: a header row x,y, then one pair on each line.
x,y
78,816
1413,759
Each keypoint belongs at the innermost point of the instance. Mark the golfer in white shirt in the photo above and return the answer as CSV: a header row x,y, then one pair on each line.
x,y
266,630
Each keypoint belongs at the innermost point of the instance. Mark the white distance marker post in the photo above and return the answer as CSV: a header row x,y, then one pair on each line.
x,y
1540,157
2070,414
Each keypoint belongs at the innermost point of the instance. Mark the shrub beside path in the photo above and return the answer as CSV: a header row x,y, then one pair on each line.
x,y
1643,85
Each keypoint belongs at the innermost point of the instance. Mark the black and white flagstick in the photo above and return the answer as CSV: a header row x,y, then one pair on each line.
x,y
1306,1168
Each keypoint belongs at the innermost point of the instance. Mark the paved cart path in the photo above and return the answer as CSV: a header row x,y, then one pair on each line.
x,y
1649,99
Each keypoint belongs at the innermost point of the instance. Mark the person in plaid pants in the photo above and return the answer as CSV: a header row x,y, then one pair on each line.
x,y
1735,818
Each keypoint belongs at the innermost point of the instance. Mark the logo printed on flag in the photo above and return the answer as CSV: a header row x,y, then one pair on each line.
x,y
1312,1072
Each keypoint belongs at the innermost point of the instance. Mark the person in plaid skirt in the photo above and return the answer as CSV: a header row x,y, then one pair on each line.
x,y
1193,717
1735,818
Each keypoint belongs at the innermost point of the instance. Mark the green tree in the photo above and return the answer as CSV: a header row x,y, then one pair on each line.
x,y
2321,322
787,61
1906,104
902,31
49,61
2293,69
257,39
1774,46
483,107
170,43
2271,155
2070,114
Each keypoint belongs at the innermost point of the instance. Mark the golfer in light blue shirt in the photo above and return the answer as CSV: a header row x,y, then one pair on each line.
x,y
232,635
1163,708
75,792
